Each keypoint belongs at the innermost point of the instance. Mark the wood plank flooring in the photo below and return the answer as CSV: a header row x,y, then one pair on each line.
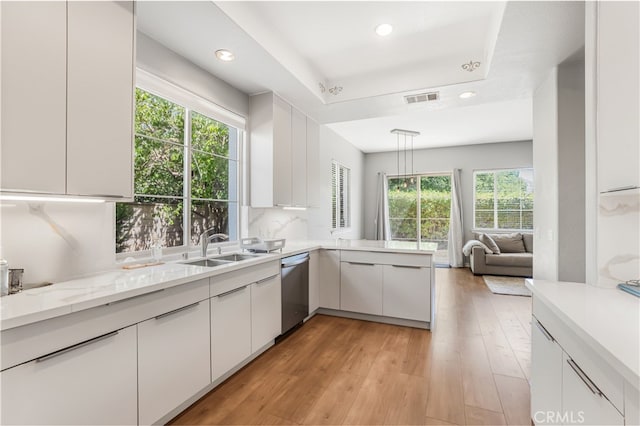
x,y
472,368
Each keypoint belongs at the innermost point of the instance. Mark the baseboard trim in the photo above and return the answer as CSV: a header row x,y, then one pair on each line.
x,y
375,318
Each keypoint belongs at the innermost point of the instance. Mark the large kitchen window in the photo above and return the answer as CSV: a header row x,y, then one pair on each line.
x,y
340,196
503,199
185,177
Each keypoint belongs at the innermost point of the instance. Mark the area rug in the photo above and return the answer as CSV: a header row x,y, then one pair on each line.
x,y
513,286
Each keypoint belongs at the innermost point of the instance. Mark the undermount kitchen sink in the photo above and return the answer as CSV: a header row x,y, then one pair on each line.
x,y
222,260
211,263
236,257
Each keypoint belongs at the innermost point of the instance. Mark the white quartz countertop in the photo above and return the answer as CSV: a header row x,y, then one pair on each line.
x,y
606,319
84,293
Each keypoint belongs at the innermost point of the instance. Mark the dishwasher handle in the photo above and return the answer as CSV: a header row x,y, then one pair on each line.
x,y
295,261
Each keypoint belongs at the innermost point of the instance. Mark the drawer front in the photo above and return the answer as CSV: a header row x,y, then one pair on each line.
x,y
232,280
174,360
381,258
605,378
30,341
581,402
90,384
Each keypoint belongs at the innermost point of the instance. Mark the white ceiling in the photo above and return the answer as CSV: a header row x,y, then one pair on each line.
x,y
334,44
484,123
288,47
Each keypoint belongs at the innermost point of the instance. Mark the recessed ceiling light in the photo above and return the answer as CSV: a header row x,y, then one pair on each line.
x,y
384,29
467,95
225,55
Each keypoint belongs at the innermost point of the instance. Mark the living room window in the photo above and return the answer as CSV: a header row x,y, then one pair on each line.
x,y
503,199
340,196
186,177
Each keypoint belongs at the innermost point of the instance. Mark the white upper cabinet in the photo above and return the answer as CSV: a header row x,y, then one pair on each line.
x,y
298,158
67,97
278,153
100,98
618,90
34,84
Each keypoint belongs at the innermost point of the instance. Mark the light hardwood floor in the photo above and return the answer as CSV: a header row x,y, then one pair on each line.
x,y
471,369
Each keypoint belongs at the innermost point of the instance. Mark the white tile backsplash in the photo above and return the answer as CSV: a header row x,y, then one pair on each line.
x,y
278,223
618,237
57,241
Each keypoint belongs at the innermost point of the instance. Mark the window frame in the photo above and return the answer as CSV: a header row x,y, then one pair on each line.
x,y
192,103
335,187
418,177
495,210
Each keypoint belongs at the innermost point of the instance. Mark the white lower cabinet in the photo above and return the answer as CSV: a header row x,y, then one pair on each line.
x,y
266,311
546,376
406,292
562,390
361,287
314,281
329,279
90,383
174,360
230,330
582,401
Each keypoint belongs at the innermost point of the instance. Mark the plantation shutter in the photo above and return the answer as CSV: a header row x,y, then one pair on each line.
x,y
340,199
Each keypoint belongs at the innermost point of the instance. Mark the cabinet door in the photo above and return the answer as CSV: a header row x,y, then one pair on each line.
x,y
618,67
266,312
174,359
546,375
406,292
582,402
314,281
299,158
230,330
314,175
100,98
282,173
329,279
361,287
90,383
34,84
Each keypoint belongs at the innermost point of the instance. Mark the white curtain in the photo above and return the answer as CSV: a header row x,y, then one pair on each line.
x,y
383,229
456,258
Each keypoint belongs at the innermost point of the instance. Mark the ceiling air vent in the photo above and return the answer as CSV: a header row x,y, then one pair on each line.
x,y
422,97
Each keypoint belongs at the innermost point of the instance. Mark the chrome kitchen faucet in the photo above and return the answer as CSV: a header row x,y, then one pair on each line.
x,y
208,236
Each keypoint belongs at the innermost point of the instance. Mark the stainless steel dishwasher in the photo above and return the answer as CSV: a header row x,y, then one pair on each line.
x,y
295,290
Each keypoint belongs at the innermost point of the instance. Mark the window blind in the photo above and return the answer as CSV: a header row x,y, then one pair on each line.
x,y
340,196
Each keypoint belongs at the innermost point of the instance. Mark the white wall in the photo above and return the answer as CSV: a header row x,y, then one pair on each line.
x,y
155,58
315,222
571,170
545,162
335,147
559,162
467,158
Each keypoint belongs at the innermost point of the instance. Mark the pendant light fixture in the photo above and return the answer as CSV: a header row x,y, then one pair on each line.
x,y
407,136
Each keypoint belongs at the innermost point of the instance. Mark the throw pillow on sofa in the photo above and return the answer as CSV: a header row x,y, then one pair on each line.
x,y
509,243
489,242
